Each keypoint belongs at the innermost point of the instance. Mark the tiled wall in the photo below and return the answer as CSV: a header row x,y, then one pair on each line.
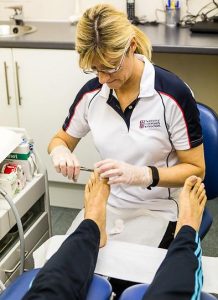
x,y
61,10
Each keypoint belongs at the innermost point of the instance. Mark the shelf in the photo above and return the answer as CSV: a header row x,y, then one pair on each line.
x,y
24,200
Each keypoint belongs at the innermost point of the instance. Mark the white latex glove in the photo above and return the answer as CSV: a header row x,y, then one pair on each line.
x,y
65,162
121,172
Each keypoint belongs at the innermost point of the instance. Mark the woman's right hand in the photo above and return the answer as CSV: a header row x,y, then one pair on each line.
x,y
65,162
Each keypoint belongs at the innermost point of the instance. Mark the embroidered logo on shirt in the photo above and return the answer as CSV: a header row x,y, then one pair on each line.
x,y
149,123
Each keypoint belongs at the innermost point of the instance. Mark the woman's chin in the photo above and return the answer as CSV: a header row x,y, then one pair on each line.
x,y
115,84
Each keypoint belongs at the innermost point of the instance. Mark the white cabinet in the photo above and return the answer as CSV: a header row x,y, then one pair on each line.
x,y
8,110
43,86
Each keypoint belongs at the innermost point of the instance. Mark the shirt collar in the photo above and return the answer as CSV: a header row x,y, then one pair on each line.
x,y
105,91
147,80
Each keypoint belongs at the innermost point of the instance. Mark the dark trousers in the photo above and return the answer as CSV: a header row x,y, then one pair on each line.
x,y
180,274
68,273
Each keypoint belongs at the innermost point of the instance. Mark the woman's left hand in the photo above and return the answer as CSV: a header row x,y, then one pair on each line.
x,y
121,172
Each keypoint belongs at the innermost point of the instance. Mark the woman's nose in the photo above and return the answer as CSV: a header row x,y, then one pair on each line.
x,y
103,77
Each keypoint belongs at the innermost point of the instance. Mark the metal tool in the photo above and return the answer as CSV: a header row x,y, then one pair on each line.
x,y
86,169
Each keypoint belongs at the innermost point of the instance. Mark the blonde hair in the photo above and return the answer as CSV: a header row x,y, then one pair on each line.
x,y
103,32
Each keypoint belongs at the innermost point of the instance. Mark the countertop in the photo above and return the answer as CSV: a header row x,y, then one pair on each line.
x,y
60,35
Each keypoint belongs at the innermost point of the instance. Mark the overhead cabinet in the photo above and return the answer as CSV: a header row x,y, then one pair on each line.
x,y
37,88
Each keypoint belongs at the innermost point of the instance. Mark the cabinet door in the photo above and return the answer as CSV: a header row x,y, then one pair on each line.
x,y
8,112
49,80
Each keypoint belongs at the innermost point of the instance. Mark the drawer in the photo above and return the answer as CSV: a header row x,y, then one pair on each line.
x,y
29,263
32,237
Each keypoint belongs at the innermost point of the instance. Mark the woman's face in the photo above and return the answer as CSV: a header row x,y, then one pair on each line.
x,y
125,69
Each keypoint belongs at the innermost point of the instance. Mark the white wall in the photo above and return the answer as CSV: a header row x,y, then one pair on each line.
x,y
61,10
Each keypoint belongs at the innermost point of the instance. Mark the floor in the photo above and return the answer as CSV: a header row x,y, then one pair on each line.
x,y
63,217
210,242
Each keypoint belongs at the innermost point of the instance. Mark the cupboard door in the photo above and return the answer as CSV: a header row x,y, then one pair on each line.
x,y
48,82
8,111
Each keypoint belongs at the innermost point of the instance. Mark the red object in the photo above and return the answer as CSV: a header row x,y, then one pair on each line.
x,y
9,168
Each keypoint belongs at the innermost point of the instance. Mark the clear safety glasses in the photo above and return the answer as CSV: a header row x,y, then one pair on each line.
x,y
110,70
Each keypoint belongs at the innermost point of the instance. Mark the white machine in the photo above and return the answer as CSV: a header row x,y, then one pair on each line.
x,y
32,204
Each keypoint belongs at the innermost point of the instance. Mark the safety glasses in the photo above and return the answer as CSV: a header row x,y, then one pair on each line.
x,y
110,70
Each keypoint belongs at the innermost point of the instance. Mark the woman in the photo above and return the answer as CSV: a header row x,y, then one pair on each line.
x,y
144,122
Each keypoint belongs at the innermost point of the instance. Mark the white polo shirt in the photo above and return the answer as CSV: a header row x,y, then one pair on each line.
x,y
163,118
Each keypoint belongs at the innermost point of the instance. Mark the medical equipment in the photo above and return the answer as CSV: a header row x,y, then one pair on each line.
x,y
32,204
23,155
86,169
8,182
13,170
20,228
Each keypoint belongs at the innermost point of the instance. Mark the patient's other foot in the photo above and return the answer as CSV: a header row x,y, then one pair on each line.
x,y
96,196
192,201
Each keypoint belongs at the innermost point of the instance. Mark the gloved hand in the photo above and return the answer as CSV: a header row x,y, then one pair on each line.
x,y
65,162
121,172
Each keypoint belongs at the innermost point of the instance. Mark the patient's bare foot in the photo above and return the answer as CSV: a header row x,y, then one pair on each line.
x,y
96,195
192,201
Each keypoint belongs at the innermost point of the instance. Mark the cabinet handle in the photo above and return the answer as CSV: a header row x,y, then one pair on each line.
x,y
16,266
6,83
18,83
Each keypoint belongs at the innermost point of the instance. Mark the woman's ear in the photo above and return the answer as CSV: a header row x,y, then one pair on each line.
x,y
133,45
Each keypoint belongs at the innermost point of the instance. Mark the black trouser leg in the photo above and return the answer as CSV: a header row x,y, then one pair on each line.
x,y
168,236
180,274
69,271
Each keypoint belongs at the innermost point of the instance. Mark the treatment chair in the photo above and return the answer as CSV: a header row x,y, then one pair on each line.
x,y
100,288
137,292
209,123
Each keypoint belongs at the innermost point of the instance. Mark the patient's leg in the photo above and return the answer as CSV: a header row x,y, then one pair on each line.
x,y
192,201
180,274
96,195
68,273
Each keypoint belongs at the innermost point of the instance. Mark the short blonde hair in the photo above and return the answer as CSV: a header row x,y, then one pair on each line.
x,y
103,32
